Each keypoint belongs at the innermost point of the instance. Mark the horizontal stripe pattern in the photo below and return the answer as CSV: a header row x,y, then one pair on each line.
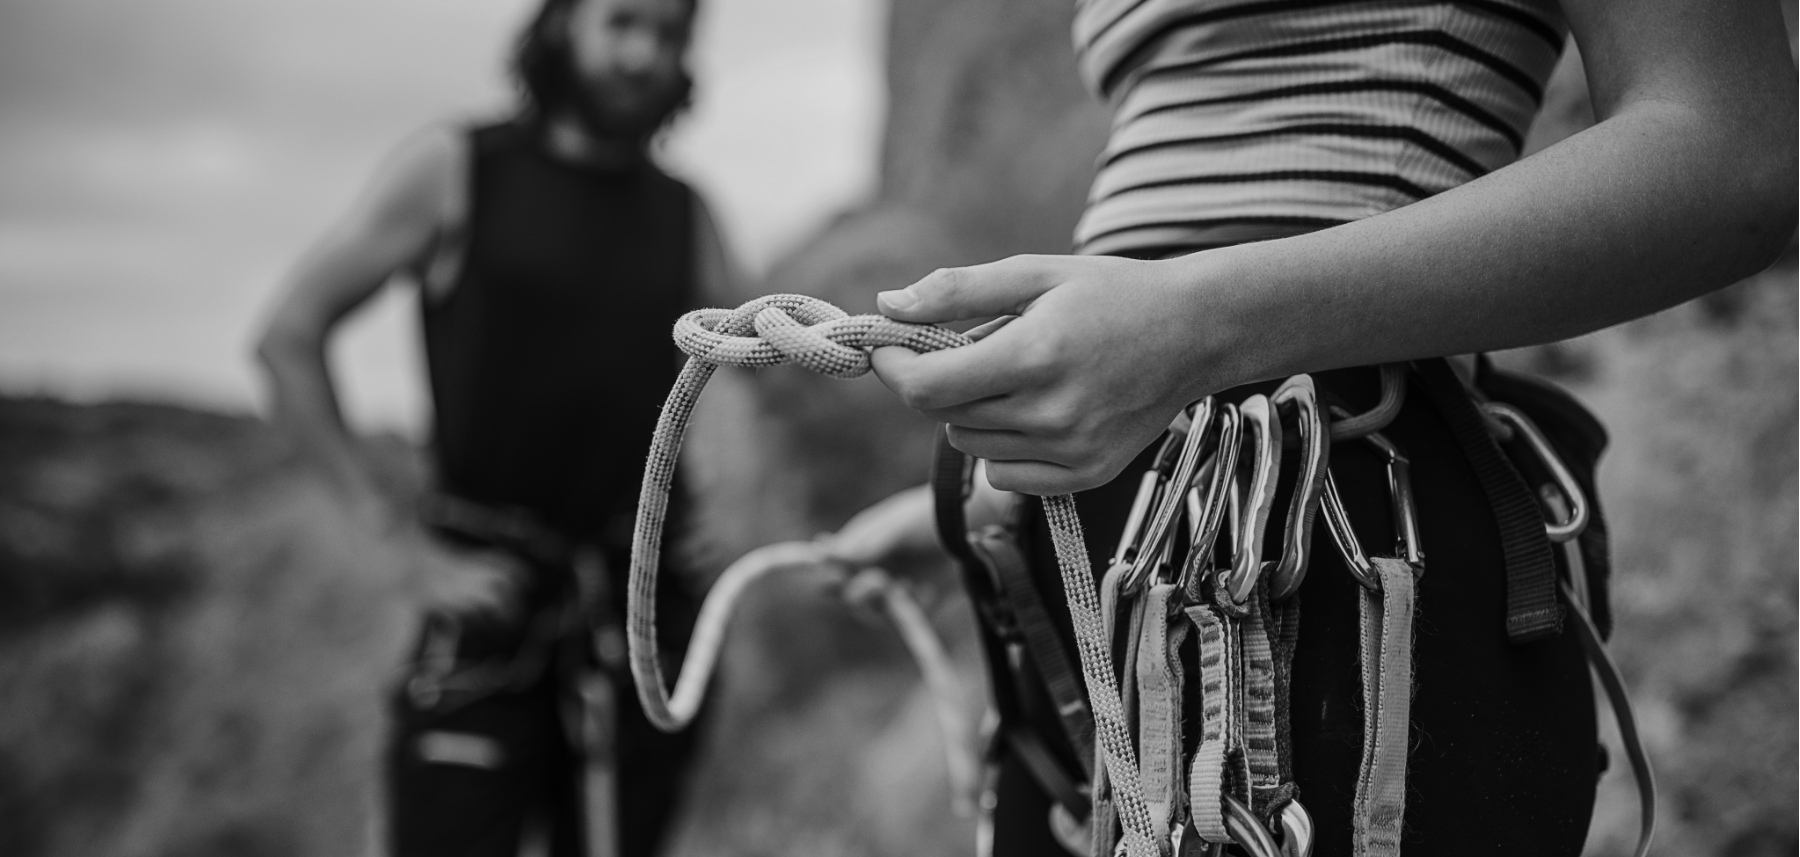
x,y
1260,118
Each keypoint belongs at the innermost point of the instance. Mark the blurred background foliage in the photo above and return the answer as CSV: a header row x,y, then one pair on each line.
x,y
195,647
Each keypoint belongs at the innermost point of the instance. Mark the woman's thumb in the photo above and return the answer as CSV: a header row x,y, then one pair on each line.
x,y
955,294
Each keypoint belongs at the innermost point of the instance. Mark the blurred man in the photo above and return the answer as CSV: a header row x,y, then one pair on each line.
x,y
552,255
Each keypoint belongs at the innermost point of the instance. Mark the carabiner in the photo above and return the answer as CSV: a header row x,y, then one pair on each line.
x,y
1406,520
1296,830
1140,505
1240,580
1172,496
1248,831
1577,518
1315,449
1210,519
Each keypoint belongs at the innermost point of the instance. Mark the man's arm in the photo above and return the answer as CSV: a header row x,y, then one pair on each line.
x,y
390,228
1685,184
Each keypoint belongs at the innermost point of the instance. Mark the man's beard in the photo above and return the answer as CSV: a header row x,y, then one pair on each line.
x,y
605,117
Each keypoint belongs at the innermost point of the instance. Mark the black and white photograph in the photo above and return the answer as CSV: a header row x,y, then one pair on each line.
x,y
877,428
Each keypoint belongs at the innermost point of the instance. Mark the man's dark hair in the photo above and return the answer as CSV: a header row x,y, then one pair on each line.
x,y
544,69
541,64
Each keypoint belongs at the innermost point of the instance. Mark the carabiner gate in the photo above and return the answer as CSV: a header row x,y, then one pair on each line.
x,y
1577,517
1237,582
1172,496
1207,512
1299,394
1406,520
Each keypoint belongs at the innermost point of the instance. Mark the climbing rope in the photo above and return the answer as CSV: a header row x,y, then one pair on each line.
x,y
777,329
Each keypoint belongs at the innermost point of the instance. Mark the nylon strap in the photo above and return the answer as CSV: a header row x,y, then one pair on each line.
x,y
1261,753
1532,609
1159,681
1285,621
1387,619
1206,777
950,475
1043,643
987,559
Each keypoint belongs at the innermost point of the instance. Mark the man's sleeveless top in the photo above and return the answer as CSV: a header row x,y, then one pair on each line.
x,y
550,357
1238,120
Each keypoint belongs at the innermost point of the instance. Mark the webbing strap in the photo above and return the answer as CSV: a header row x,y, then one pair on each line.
x,y
986,559
1261,754
1387,628
1285,622
1206,777
949,489
1159,680
1002,555
1127,666
1532,610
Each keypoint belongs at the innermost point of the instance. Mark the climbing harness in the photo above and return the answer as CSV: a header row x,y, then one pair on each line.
x,y
1170,588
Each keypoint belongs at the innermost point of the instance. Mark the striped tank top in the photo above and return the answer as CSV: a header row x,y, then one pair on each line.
x,y
1241,120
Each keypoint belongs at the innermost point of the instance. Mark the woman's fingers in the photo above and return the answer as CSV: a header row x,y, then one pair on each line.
x,y
953,294
1041,478
985,329
1003,445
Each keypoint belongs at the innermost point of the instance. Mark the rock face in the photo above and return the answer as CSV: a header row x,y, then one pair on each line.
x,y
988,152
195,646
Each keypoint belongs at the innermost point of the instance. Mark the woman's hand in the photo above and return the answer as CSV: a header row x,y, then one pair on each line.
x,y
897,526
1100,356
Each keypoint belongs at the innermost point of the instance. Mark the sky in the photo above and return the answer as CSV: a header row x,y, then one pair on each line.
x,y
162,163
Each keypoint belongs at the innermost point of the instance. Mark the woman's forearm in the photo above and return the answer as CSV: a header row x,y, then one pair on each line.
x,y
1625,219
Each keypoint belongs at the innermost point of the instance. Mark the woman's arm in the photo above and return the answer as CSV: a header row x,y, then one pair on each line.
x,y
1686,184
390,228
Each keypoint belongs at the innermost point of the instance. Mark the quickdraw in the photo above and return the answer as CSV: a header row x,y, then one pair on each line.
x,y
1237,787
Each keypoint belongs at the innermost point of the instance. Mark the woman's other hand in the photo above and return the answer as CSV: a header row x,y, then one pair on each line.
x,y
900,525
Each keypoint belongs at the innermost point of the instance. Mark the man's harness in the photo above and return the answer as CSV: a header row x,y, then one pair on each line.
x,y
1216,474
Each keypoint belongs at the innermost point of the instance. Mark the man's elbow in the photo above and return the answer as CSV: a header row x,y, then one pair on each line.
x,y
281,343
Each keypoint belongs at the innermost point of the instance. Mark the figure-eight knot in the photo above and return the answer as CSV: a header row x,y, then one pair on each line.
x,y
776,329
